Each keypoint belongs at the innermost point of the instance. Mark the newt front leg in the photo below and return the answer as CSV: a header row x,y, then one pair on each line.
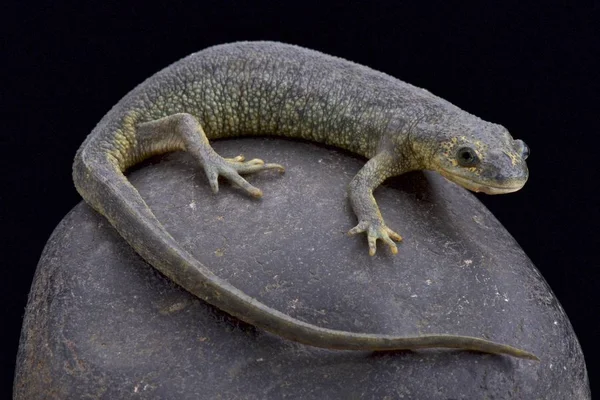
x,y
370,221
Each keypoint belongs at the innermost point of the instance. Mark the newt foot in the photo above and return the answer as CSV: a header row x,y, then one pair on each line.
x,y
377,230
232,168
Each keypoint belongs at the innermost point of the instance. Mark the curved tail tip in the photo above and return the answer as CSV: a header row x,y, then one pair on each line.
x,y
530,356
524,354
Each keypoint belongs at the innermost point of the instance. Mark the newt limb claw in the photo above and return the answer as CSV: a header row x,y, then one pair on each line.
x,y
239,158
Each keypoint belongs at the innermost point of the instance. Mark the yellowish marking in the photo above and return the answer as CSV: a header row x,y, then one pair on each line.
x,y
125,141
514,158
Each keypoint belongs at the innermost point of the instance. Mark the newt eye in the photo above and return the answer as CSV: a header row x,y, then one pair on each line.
x,y
525,151
467,157
523,148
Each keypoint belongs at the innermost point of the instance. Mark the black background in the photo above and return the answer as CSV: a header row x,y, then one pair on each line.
x,y
531,67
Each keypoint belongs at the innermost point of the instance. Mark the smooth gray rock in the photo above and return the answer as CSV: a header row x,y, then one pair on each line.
x,y
103,324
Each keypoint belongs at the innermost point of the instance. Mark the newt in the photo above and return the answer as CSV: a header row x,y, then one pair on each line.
x,y
270,88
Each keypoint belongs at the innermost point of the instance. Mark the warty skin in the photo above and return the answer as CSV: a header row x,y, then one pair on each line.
x,y
267,88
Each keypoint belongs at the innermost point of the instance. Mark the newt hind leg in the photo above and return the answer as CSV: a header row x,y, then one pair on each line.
x,y
184,132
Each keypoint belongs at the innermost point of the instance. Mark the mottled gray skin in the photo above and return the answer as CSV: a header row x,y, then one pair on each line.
x,y
264,88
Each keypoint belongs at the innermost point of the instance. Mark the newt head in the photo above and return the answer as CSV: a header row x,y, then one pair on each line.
x,y
485,160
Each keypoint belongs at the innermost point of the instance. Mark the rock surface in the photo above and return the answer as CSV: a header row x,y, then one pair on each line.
x,y
101,323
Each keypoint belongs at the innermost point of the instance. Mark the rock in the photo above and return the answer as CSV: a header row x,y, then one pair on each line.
x,y
101,323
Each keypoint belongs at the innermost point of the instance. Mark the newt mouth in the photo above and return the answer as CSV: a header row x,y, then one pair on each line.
x,y
483,187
